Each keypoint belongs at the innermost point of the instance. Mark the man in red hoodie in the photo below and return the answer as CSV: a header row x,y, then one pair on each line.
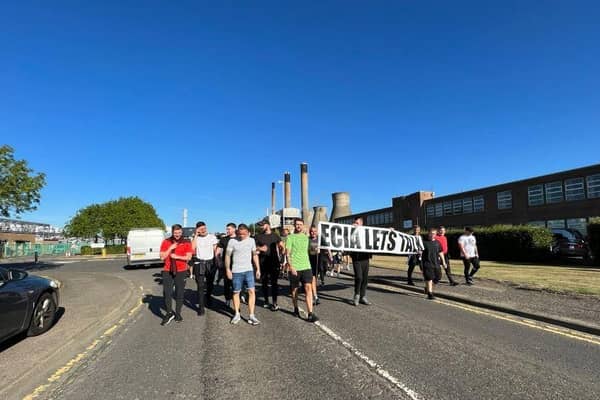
x,y
441,237
175,252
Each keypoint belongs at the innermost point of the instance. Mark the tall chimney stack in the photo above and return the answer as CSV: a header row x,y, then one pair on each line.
x,y
288,190
341,205
273,198
304,192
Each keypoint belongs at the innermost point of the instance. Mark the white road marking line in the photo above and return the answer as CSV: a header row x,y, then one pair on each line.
x,y
361,356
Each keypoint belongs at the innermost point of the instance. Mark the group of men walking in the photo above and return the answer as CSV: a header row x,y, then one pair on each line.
x,y
241,260
435,253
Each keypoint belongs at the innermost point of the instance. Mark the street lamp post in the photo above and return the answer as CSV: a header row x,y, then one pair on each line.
x,y
282,203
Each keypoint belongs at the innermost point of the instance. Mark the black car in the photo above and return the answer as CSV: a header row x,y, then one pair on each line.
x,y
27,303
569,243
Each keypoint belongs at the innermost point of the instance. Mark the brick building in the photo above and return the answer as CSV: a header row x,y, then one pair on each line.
x,y
563,199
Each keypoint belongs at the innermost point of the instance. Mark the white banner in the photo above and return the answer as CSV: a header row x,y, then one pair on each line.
x,y
369,239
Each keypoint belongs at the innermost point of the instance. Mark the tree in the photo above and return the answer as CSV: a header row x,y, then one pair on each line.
x,y
114,218
19,186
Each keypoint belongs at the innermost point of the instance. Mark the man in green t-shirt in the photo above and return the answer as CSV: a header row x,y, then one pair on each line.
x,y
297,245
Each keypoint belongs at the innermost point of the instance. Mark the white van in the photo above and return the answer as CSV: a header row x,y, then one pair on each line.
x,y
143,246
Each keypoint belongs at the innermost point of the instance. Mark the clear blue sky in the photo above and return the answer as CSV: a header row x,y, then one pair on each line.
x,y
191,105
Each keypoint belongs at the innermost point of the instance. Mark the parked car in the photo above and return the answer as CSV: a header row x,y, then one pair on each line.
x,y
27,303
569,243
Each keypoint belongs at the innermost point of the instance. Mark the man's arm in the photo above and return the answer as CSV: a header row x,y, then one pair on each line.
x,y
462,249
165,253
228,266
441,256
256,265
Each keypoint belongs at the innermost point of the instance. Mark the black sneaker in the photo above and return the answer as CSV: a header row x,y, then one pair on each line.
x,y
453,283
167,319
296,313
317,301
178,318
430,296
312,317
410,283
469,282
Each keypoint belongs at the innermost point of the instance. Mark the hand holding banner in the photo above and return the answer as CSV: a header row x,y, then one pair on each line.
x,y
369,239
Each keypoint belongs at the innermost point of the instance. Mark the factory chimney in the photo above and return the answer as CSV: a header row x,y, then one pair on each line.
x,y
287,190
272,197
304,192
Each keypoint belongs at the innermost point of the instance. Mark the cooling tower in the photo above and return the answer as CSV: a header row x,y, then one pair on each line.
x,y
341,205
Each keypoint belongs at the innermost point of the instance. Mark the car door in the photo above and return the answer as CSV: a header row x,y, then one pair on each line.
x,y
13,305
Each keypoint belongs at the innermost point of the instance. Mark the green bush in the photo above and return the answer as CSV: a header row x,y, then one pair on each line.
x,y
114,249
506,242
593,230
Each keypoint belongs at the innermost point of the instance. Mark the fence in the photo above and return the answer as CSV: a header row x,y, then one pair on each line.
x,y
29,249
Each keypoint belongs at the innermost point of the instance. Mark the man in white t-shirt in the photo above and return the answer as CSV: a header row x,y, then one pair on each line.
x,y
204,246
469,253
240,256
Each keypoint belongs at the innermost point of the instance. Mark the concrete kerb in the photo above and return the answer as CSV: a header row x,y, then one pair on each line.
x,y
494,307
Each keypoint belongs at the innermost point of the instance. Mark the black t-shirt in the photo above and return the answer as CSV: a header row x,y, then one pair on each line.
x,y
223,242
431,253
270,240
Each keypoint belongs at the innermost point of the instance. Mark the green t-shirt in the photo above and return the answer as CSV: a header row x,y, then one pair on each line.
x,y
297,244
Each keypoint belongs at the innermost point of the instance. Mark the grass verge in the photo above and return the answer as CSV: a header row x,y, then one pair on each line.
x,y
557,278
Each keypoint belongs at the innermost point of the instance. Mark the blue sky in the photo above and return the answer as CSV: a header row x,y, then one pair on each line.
x,y
201,106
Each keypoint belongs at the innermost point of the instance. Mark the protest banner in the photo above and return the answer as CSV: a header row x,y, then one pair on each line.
x,y
369,239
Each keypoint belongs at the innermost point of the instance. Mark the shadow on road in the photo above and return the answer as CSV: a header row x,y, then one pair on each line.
x,y
7,344
136,267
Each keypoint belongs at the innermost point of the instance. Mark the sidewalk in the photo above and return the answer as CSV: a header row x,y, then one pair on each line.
x,y
577,312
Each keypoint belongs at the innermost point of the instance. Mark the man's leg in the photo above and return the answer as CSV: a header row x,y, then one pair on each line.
x,y
227,289
179,293
200,285
357,279
210,281
236,302
429,288
365,278
274,276
448,270
411,268
467,265
264,282
475,262
309,297
167,283
251,300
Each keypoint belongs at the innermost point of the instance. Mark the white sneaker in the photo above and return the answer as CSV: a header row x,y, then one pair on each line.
x,y
243,299
252,320
236,318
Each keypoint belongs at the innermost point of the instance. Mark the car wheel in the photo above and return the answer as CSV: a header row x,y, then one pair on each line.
x,y
43,315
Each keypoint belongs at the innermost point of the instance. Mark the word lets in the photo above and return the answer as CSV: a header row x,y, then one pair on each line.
x,y
341,237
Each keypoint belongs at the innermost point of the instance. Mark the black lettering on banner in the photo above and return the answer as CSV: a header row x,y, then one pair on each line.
x,y
383,241
354,239
336,240
368,245
325,235
376,239
346,238
392,241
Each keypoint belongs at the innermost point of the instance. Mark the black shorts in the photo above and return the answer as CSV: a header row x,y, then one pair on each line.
x,y
432,272
304,276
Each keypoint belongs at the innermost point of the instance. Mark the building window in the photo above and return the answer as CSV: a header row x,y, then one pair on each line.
x,y
390,216
478,204
537,223
430,210
457,207
504,200
554,192
556,224
578,223
407,224
467,205
593,186
439,210
535,195
574,189
447,208
370,220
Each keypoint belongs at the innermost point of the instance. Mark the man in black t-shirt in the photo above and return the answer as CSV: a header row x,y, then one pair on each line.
x,y
222,246
268,244
430,260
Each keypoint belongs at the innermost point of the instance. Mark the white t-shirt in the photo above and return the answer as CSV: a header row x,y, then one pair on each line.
x,y
205,246
241,251
469,244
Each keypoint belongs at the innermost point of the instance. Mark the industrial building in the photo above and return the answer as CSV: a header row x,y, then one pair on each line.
x,y
566,199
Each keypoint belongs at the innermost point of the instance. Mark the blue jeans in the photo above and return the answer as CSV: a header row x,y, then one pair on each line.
x,y
240,277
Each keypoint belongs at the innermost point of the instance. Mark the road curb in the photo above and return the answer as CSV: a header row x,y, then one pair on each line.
x,y
481,304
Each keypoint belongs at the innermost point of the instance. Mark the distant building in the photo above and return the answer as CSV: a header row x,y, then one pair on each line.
x,y
566,199
17,231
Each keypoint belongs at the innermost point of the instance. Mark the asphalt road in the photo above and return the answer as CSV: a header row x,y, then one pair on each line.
x,y
402,346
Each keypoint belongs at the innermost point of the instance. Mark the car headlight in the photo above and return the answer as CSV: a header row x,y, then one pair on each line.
x,y
54,284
